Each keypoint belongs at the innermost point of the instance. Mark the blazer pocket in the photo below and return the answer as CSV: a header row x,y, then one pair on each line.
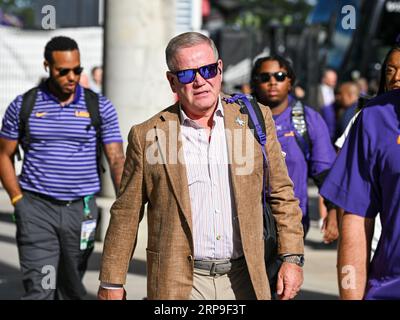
x,y
153,270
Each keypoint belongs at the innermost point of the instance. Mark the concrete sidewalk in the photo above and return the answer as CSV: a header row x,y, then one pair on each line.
x,y
319,269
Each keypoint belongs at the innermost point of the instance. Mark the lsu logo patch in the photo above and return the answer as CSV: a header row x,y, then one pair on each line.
x,y
40,114
398,139
289,134
82,114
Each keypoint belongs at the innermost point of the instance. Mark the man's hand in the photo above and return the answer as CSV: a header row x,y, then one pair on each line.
x,y
111,294
290,279
330,227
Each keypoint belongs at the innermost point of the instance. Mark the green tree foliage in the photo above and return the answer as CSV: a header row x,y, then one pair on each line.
x,y
263,13
19,8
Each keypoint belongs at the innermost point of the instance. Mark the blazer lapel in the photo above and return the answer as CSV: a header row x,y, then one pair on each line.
x,y
168,129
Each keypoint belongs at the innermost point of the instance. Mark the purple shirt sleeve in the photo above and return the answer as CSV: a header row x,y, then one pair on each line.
x,y
10,122
110,131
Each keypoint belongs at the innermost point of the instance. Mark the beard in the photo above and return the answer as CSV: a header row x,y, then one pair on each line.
x,y
270,103
263,99
273,103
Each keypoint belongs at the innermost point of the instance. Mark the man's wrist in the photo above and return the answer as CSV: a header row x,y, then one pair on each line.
x,y
16,198
111,292
110,286
297,259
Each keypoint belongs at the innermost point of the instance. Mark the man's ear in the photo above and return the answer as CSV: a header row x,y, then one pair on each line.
x,y
220,66
46,66
172,81
291,85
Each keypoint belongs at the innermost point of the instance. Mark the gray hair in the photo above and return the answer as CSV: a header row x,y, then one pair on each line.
x,y
186,40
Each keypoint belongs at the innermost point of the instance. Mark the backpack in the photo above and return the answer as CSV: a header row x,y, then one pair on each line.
x,y
304,142
299,123
273,262
28,103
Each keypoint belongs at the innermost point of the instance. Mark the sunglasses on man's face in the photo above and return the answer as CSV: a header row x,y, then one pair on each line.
x,y
279,76
187,76
64,71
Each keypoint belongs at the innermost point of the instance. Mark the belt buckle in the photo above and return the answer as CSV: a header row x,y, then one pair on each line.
x,y
212,270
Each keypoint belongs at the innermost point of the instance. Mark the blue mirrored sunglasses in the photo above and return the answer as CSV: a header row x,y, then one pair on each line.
x,y
207,72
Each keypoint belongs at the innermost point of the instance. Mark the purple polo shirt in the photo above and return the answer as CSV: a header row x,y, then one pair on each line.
x,y
61,161
321,158
365,180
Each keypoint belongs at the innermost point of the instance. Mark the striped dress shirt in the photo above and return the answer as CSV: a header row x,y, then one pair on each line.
x,y
215,223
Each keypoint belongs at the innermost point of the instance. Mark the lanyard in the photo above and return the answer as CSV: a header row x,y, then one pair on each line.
x,y
86,209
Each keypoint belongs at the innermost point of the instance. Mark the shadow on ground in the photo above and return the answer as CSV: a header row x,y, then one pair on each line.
x,y
136,266
6,217
311,295
10,283
318,245
8,239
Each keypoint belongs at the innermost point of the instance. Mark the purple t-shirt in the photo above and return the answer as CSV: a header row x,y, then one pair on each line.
x,y
365,180
321,157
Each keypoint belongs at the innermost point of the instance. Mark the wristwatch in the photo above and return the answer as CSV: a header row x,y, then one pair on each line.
x,y
294,258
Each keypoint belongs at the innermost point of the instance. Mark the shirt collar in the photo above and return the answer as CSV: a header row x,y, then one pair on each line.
x,y
47,95
286,113
185,119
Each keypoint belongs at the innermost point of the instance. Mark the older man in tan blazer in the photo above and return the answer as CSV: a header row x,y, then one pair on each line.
x,y
199,169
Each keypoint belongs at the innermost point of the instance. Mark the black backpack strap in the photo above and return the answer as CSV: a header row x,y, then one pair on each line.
x,y
298,119
92,104
28,103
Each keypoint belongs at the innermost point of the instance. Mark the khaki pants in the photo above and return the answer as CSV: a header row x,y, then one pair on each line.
x,y
234,285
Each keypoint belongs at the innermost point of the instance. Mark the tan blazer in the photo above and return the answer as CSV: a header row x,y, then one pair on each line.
x,y
164,187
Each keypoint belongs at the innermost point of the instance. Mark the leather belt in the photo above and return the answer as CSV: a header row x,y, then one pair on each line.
x,y
53,200
216,267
